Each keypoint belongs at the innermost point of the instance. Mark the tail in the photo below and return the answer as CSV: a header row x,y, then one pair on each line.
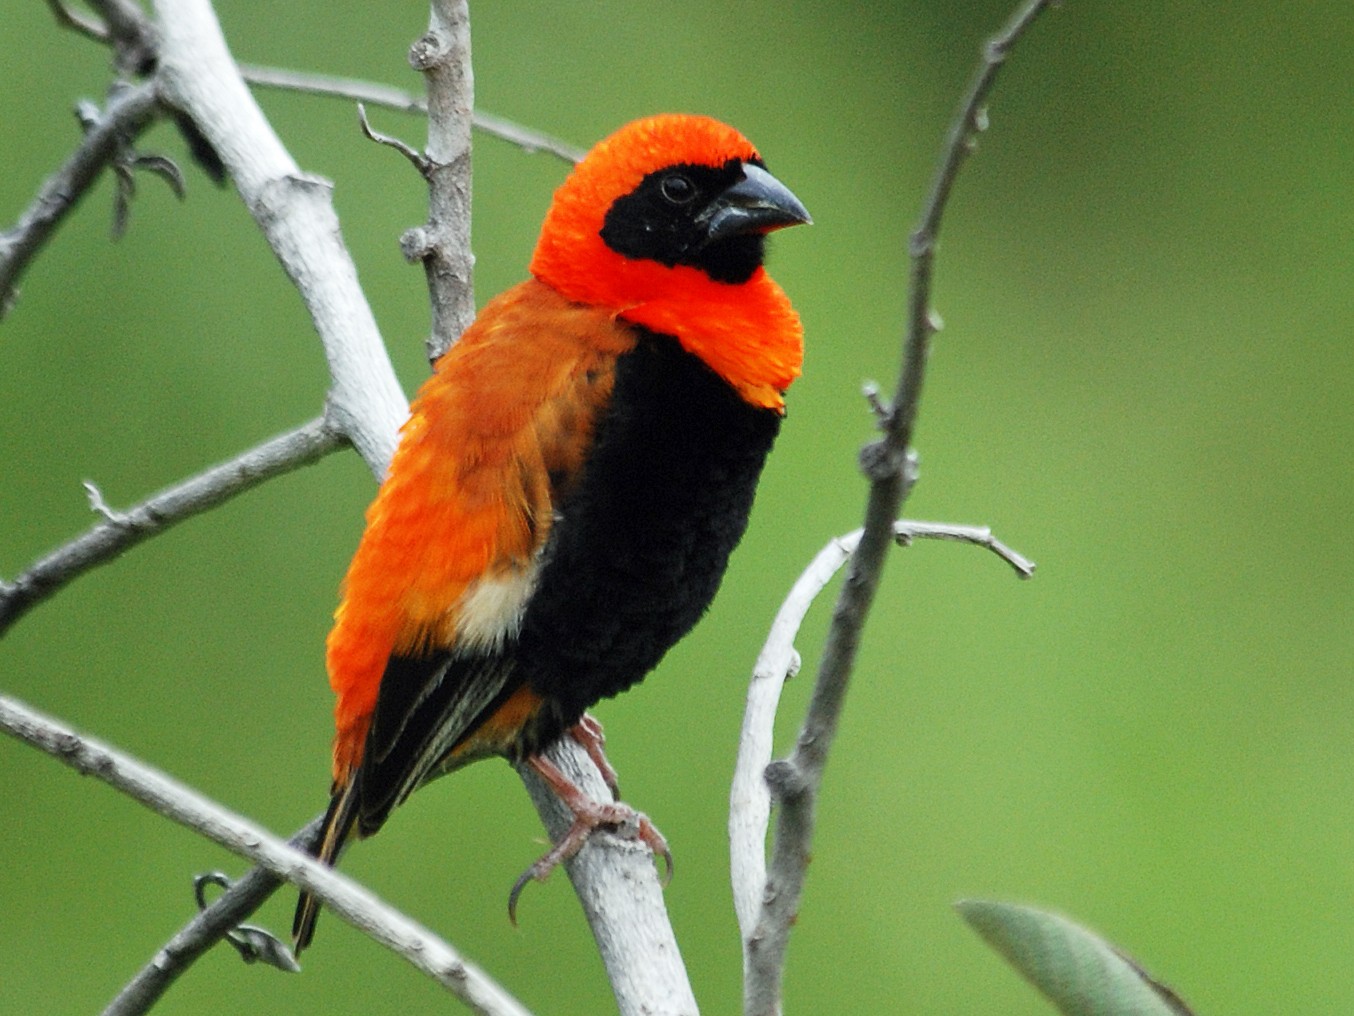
x,y
338,827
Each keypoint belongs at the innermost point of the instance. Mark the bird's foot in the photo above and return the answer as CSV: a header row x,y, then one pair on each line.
x,y
589,816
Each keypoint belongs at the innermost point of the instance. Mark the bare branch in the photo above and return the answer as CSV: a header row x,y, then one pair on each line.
x,y
375,94
443,244
354,904
309,83
119,531
295,212
208,927
750,796
795,781
622,898
129,112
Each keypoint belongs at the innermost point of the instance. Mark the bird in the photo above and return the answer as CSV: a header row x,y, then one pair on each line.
x,y
570,483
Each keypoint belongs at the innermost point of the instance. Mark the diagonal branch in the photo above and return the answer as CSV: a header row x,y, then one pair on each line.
x,y
354,904
294,210
208,927
621,895
129,112
795,781
120,531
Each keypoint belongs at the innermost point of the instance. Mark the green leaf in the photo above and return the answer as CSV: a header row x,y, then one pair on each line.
x,y
1079,972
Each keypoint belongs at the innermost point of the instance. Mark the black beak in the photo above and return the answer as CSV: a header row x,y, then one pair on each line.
x,y
758,203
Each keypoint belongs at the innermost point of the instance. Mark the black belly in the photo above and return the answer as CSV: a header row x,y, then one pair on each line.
x,y
641,545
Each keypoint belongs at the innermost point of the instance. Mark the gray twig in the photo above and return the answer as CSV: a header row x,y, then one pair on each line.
x,y
907,530
212,923
412,154
77,22
129,112
354,904
376,94
119,531
796,780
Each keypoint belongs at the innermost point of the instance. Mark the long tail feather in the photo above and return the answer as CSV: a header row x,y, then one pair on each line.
x,y
338,827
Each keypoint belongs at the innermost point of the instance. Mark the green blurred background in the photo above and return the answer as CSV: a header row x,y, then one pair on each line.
x,y
1144,383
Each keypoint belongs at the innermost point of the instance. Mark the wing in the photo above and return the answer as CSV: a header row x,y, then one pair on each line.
x,y
429,708
421,651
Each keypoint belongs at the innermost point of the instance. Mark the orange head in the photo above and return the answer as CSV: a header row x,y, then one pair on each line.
x,y
664,223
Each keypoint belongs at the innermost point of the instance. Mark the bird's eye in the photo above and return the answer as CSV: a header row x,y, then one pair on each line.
x,y
677,189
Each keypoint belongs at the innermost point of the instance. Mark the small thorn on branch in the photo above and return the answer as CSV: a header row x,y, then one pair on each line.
x,y
99,505
416,157
876,402
880,460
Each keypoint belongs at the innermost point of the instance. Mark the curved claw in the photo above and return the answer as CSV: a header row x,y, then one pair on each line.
x,y
589,816
649,835
517,888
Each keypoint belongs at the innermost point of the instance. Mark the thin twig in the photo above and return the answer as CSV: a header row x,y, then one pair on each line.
x,y
750,797
208,926
795,781
907,530
414,156
527,138
377,94
77,22
129,112
132,35
350,901
119,531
